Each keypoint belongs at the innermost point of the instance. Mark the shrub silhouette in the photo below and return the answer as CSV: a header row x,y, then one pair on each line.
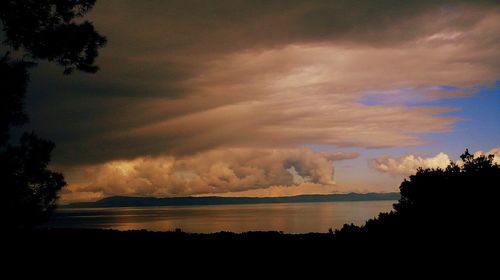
x,y
36,29
439,204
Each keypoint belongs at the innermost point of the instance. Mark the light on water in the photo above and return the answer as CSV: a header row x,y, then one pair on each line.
x,y
286,217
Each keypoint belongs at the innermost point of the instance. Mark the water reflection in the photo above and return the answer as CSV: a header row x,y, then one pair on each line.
x,y
287,217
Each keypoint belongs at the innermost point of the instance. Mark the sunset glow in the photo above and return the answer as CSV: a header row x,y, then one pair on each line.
x,y
248,98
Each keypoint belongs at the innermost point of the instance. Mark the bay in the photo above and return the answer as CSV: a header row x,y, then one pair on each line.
x,y
286,217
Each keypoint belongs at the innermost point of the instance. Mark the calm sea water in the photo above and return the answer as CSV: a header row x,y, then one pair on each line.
x,y
286,217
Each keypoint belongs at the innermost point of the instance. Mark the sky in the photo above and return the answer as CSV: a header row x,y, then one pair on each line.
x,y
272,98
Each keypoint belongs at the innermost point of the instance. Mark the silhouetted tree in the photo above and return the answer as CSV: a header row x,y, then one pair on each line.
x,y
14,79
36,29
30,189
46,29
457,202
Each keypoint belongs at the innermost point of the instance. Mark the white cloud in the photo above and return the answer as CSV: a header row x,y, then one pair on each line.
x,y
408,164
495,152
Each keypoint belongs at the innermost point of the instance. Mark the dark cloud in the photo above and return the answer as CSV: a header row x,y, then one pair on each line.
x,y
180,78
196,27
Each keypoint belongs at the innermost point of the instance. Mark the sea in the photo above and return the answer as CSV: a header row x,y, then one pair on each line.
x,y
285,217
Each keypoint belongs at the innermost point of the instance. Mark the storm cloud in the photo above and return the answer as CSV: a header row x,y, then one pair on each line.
x,y
183,79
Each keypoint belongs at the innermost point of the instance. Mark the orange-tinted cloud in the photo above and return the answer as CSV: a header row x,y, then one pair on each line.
x,y
215,171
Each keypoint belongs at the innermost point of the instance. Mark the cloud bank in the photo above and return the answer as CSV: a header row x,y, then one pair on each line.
x,y
213,172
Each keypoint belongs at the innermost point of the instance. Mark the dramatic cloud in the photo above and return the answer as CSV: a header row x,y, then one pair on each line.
x,y
408,164
188,77
213,172
188,81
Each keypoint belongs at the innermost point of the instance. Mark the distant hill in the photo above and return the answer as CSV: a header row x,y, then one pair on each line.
x,y
126,201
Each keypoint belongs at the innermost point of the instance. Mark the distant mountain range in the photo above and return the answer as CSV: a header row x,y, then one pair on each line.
x,y
127,201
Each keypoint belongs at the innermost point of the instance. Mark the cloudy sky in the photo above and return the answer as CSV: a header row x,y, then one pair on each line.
x,y
270,98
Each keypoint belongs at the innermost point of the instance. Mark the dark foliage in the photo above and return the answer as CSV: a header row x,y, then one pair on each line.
x,y
13,81
29,191
451,206
47,29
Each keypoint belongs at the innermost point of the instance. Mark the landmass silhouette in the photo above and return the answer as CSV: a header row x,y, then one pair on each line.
x,y
130,201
